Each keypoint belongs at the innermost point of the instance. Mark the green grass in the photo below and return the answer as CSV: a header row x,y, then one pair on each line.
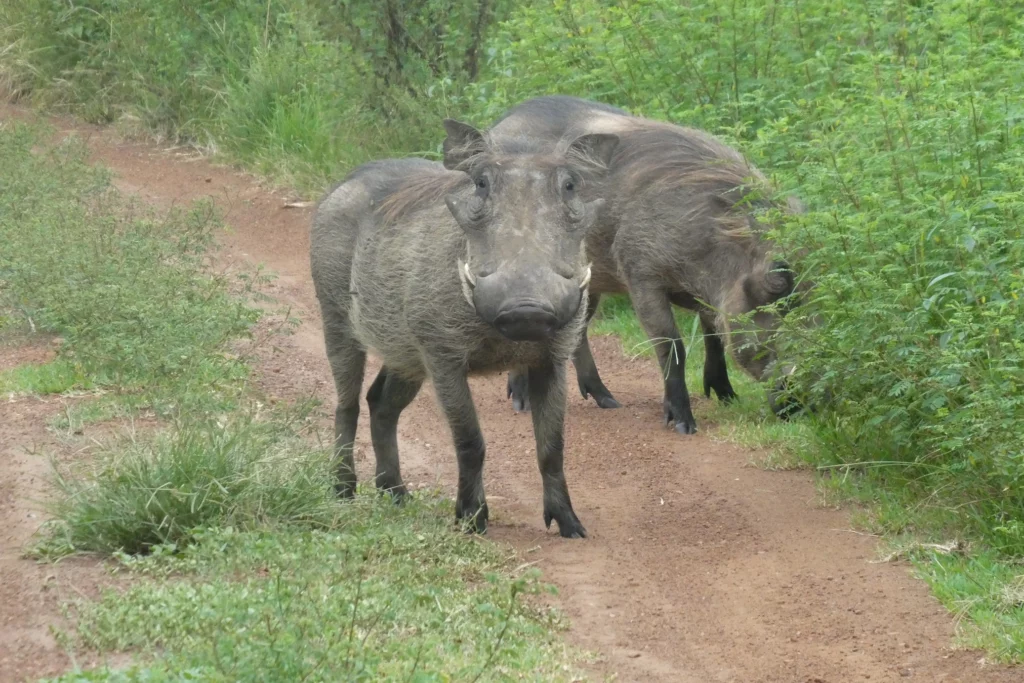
x,y
241,470
391,593
986,594
127,288
44,378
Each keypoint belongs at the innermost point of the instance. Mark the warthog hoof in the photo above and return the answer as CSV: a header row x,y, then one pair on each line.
x,y
593,387
569,525
518,392
473,515
607,402
520,404
726,395
398,494
345,489
723,390
683,423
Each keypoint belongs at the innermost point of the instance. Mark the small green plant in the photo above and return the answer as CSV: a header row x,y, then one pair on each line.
x,y
46,378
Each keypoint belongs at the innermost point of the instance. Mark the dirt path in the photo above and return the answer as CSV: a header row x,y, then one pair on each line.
x,y
699,567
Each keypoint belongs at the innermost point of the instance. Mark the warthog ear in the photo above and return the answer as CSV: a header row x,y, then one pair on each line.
x,y
777,282
594,148
779,279
463,142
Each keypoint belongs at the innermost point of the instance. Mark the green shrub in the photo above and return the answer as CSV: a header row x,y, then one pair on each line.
x,y
300,89
901,125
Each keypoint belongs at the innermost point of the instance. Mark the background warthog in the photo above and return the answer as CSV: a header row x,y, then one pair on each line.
x,y
445,273
679,228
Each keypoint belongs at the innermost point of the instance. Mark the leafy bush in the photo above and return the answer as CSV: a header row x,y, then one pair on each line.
x,y
901,125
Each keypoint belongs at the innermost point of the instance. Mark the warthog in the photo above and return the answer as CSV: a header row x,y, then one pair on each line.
x,y
680,227
475,266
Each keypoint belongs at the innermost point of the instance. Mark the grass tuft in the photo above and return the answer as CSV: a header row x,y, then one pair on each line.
x,y
243,471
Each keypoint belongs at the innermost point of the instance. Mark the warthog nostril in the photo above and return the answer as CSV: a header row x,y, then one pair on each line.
x,y
527,322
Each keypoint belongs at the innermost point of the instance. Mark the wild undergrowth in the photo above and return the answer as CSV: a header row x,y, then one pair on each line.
x,y
301,90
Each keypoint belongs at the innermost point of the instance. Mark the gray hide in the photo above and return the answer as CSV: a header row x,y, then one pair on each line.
x,y
447,273
679,228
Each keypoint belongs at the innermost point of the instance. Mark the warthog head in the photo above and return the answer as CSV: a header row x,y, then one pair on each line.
x,y
761,293
763,290
525,217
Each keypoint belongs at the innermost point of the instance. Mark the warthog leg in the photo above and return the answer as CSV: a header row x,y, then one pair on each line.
x,y
387,397
347,358
547,394
716,376
456,401
586,370
519,390
654,309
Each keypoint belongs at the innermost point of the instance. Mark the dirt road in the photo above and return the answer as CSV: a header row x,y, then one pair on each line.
x,y
699,567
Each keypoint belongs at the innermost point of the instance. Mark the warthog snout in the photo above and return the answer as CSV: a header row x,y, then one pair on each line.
x,y
527,321
530,305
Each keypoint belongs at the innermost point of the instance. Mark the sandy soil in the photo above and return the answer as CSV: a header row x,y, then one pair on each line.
x,y
699,567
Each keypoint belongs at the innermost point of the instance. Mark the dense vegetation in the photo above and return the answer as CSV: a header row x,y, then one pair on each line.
x,y
297,88
900,123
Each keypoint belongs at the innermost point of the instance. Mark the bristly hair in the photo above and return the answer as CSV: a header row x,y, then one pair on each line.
x,y
419,190
660,157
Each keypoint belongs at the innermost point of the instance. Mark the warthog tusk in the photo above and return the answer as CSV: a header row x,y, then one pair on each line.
x,y
792,370
469,274
586,279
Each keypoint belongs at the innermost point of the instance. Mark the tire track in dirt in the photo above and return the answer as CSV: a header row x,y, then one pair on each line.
x,y
699,567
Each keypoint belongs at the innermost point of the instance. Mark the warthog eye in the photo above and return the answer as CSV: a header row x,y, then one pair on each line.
x,y
569,186
481,183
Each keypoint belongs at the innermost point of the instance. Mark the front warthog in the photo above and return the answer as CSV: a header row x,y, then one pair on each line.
x,y
446,271
680,227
